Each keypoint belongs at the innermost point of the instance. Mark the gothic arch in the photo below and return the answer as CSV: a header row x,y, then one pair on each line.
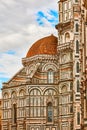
x,y
6,95
50,99
35,102
63,86
21,92
67,37
64,89
49,89
32,67
34,88
22,88
14,94
49,66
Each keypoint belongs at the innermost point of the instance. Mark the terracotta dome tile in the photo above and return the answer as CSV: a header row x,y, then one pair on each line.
x,y
46,45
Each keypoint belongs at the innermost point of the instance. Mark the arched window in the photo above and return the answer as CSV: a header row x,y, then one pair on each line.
x,y
6,96
71,85
35,103
50,76
71,109
65,6
21,103
6,100
21,93
14,95
78,118
77,46
71,97
14,113
77,67
78,89
64,89
49,112
67,37
77,27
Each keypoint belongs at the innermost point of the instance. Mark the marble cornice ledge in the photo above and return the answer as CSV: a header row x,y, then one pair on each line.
x,y
61,26
39,58
64,46
11,85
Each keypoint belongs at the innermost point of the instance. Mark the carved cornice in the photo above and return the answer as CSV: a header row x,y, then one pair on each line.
x,y
39,58
62,26
64,46
13,84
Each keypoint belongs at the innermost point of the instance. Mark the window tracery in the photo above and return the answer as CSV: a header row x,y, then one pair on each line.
x,y
14,113
78,118
21,93
5,114
77,46
64,89
64,100
6,96
35,103
77,67
49,112
63,58
6,101
71,109
67,37
21,103
71,85
78,89
50,76
14,95
77,27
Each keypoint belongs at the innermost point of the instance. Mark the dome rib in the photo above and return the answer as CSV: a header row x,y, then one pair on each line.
x,y
46,45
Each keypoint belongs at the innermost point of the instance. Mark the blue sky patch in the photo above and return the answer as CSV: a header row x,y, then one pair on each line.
x,y
10,52
51,17
3,79
40,14
54,13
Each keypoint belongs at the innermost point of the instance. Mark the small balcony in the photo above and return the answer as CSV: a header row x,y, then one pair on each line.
x,y
64,46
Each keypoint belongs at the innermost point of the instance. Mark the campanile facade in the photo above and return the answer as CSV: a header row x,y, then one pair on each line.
x,y
72,51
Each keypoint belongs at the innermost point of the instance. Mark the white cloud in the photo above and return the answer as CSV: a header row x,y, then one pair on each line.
x,y
19,30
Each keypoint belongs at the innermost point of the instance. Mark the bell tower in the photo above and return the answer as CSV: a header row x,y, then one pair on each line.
x,y
84,64
69,43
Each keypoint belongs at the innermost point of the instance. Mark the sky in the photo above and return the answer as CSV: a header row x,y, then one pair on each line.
x,y
22,22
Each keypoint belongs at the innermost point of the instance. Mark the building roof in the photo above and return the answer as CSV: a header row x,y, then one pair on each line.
x,y
46,45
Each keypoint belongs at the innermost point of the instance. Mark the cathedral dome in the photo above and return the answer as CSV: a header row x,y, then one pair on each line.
x,y
46,45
